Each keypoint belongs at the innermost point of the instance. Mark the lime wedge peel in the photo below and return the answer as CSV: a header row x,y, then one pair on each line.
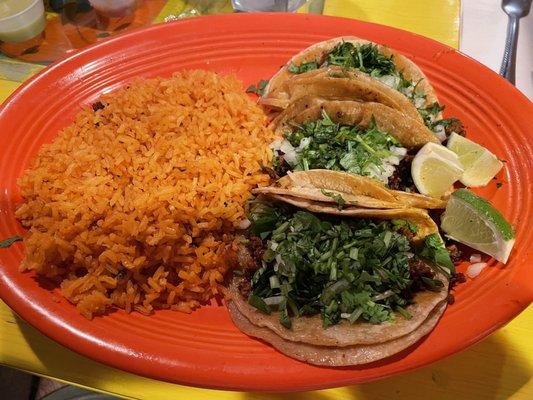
x,y
472,220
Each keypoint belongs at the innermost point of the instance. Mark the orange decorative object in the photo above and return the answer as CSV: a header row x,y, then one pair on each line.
x,y
204,348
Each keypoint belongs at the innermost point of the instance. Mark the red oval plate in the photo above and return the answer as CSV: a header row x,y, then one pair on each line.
x,y
204,348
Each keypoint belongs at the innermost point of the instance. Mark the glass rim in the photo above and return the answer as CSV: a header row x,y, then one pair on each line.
x,y
22,11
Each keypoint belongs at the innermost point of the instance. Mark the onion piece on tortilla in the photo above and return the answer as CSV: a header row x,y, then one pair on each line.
x,y
474,269
475,258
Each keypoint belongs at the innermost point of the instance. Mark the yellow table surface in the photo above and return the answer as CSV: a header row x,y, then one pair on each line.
x,y
500,367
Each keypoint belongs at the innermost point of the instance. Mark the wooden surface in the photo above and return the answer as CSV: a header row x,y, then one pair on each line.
x,y
500,367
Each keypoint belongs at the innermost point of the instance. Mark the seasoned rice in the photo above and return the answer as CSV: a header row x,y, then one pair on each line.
x,y
134,204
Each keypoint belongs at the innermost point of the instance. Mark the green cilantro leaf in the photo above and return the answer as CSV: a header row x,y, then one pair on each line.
x,y
336,197
303,67
4,244
258,89
434,252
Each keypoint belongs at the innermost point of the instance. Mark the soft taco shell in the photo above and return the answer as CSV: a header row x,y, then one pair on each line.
x,y
318,52
336,356
336,180
411,133
426,226
347,183
316,194
309,329
334,83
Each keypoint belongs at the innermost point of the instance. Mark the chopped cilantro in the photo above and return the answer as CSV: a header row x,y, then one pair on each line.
x,y
366,58
336,197
429,114
303,67
258,89
403,312
332,146
263,217
4,244
259,303
402,223
284,318
327,266
435,252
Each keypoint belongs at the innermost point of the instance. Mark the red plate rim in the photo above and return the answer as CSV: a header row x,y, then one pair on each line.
x,y
120,357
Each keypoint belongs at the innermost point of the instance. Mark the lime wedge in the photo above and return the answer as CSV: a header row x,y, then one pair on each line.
x,y
479,163
435,169
472,220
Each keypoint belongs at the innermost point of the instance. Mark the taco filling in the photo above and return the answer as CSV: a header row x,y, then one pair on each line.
x,y
368,59
324,144
297,263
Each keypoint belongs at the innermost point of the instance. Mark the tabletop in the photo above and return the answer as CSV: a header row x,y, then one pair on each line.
x,y
500,367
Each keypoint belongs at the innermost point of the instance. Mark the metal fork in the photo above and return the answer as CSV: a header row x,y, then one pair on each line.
x,y
515,9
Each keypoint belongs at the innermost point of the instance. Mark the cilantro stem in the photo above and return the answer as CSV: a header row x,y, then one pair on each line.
x,y
4,244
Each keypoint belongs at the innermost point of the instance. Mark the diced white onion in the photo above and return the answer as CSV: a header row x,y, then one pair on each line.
x,y
474,269
408,91
243,224
290,153
274,282
274,300
384,171
440,132
276,144
304,143
398,151
392,160
389,80
420,102
475,258
274,245
345,315
384,295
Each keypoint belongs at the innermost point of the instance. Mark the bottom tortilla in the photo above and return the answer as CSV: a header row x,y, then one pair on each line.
x,y
426,226
336,356
309,329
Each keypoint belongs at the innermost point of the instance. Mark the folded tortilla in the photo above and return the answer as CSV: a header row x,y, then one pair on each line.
x,y
426,225
356,190
276,95
310,330
410,132
337,356
343,343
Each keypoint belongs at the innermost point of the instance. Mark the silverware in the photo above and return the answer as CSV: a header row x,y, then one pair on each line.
x,y
515,9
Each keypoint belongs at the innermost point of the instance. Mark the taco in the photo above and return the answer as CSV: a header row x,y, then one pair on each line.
x,y
383,67
366,139
406,130
334,83
347,190
425,224
333,289
336,356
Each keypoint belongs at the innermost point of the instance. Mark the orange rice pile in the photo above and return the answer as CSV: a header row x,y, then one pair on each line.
x,y
134,204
